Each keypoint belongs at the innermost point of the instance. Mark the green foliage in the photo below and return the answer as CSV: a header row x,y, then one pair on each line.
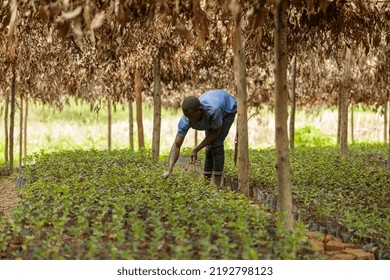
x,y
353,191
115,205
309,136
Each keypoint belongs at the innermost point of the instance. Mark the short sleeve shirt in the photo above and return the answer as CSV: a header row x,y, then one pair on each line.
x,y
216,105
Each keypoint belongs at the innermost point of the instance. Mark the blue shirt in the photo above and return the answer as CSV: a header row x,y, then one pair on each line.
x,y
216,105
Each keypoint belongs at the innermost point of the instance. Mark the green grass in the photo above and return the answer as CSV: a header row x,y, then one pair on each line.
x,y
77,127
309,136
80,112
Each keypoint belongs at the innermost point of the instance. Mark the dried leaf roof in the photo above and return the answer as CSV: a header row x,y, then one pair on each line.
x,y
89,49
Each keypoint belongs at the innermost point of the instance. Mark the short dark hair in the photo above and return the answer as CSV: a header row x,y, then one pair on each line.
x,y
190,103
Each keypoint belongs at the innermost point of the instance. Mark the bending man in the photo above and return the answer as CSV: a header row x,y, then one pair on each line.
x,y
214,112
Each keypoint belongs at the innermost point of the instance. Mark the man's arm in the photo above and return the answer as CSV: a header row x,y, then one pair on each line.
x,y
174,155
209,139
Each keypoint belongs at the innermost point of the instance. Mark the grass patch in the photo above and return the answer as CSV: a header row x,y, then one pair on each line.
x,y
309,136
76,126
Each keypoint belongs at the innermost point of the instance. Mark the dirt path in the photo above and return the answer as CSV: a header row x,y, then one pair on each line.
x,y
8,194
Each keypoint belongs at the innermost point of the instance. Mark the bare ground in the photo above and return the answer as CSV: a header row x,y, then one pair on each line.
x,y
8,194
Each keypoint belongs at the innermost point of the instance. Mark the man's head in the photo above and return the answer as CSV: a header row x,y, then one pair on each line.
x,y
192,109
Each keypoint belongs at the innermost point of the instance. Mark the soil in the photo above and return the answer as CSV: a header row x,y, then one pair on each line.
x,y
8,194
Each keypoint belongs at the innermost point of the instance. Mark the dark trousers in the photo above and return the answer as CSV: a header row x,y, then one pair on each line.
x,y
215,153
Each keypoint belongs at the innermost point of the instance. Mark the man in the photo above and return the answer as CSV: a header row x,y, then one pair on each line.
x,y
214,112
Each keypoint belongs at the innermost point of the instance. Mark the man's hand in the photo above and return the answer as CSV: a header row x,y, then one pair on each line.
x,y
193,156
173,156
167,174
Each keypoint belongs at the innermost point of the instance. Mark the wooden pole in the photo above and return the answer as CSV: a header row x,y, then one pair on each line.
x,y
12,120
131,126
21,111
339,115
283,166
109,136
344,104
388,160
239,66
385,120
138,102
6,134
195,138
293,104
157,109
25,130
352,125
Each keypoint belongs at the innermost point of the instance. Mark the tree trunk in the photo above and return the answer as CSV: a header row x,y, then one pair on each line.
x,y
293,104
388,160
138,103
25,130
195,138
12,120
344,104
242,119
339,115
6,151
131,126
157,109
352,125
283,166
109,136
21,111
236,146
385,120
